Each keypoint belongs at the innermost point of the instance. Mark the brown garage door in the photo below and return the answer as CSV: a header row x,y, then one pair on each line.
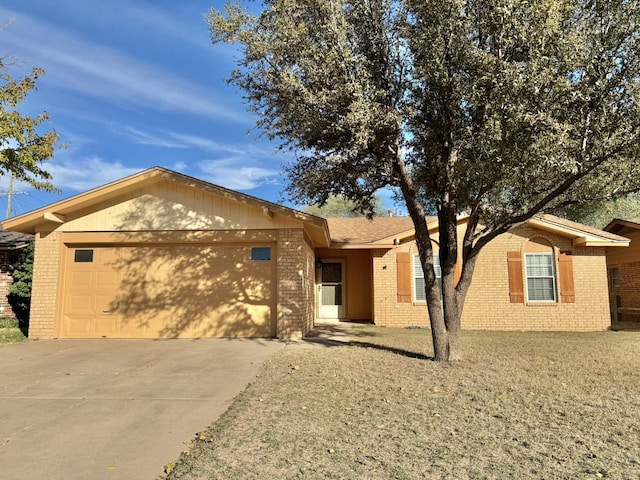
x,y
172,291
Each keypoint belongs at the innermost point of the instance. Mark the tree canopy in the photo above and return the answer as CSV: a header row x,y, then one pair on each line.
x,y
495,109
339,206
23,146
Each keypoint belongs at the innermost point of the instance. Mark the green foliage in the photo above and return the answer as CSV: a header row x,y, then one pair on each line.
x,y
600,214
20,291
23,148
6,322
499,107
338,206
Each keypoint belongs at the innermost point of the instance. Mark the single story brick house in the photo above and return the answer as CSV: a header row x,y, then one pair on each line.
x,y
623,268
163,255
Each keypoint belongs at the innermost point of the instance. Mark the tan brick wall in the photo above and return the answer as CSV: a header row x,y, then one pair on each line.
x,y
296,279
488,307
45,285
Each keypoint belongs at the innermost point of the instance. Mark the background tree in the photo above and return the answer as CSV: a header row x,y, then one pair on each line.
x,y
600,214
496,109
339,206
23,148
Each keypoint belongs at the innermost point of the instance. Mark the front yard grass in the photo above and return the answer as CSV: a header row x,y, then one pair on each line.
x,y
521,405
10,332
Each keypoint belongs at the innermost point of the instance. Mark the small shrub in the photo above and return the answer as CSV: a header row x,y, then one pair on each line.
x,y
20,291
6,322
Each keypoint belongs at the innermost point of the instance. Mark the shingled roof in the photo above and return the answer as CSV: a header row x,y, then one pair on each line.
x,y
353,231
360,230
11,240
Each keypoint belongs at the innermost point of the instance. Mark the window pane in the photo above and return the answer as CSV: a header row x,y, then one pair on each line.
x,y
417,268
614,277
332,295
419,287
539,266
261,253
331,273
83,256
540,289
436,266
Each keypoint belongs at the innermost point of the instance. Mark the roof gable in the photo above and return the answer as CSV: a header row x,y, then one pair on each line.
x,y
158,199
582,235
623,225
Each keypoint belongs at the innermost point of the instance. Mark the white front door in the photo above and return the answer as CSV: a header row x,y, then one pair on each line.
x,y
331,290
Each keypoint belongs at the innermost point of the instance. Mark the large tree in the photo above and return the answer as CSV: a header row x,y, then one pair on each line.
x,y
495,109
23,144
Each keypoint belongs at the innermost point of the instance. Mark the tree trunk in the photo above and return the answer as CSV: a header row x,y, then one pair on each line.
x,y
444,298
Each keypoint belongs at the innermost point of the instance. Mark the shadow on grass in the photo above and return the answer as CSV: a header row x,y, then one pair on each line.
x,y
625,327
341,335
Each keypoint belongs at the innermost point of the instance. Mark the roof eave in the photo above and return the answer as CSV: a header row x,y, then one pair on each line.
x,y
360,246
579,238
55,212
598,242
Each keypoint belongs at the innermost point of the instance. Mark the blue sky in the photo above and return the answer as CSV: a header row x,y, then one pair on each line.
x,y
132,84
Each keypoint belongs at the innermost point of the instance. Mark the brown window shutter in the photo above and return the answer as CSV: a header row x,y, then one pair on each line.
x,y
403,262
565,275
516,287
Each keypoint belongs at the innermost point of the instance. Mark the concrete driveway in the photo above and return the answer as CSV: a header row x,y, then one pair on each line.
x,y
114,409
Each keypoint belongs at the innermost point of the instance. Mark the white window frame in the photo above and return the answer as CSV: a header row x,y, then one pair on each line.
x,y
553,276
418,273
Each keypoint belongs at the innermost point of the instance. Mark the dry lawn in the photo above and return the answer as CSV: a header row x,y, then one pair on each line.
x,y
522,405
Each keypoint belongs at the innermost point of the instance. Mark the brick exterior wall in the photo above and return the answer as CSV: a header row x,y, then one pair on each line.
x,y
627,261
45,285
6,280
488,306
296,280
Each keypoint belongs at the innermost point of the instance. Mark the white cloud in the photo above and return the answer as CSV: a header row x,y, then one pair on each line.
x,y
235,173
179,166
144,138
246,149
75,63
86,173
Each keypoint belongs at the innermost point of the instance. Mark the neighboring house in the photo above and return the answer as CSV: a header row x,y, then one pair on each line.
x,y
10,244
623,268
160,254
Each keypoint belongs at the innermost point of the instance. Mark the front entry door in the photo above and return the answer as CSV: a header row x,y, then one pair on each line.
x,y
331,290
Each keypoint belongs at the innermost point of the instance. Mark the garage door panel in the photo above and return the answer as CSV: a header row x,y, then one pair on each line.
x,y
175,291
82,279
107,279
78,327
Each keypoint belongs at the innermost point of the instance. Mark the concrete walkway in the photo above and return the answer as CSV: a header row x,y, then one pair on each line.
x,y
114,409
